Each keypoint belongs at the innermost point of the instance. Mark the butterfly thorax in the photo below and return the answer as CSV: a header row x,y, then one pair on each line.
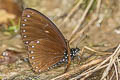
x,y
73,52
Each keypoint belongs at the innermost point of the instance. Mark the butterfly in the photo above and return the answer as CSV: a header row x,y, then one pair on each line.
x,y
45,44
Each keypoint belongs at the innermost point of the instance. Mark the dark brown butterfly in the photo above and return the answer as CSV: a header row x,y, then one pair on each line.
x,y
46,45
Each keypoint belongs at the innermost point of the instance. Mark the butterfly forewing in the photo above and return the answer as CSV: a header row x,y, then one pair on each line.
x,y
46,44
35,25
42,56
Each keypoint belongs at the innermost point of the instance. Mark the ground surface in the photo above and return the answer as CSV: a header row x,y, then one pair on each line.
x,y
102,35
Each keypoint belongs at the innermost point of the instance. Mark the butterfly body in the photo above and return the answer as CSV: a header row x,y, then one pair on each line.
x,y
45,43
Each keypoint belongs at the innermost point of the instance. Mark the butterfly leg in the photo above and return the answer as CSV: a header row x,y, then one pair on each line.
x,y
69,57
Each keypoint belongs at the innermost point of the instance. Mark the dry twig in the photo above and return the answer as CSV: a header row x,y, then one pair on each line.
x,y
112,59
87,26
90,71
77,70
71,12
82,19
96,52
116,70
112,75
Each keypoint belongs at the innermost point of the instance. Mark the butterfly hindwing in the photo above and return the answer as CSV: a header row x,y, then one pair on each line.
x,y
42,56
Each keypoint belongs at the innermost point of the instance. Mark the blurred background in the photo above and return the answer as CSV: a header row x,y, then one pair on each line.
x,y
95,25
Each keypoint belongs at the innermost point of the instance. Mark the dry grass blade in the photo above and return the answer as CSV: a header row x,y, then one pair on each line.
x,y
72,39
112,58
112,76
100,66
82,19
96,52
83,30
89,72
98,6
118,61
116,70
77,70
84,78
71,12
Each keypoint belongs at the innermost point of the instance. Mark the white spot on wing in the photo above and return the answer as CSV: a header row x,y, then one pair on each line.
x,y
24,36
39,70
5,53
64,53
73,54
36,67
28,15
33,46
66,57
47,32
38,41
26,42
25,20
24,30
33,57
31,52
23,24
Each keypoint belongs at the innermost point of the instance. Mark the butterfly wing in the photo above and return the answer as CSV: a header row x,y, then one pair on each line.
x,y
34,25
44,53
46,44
